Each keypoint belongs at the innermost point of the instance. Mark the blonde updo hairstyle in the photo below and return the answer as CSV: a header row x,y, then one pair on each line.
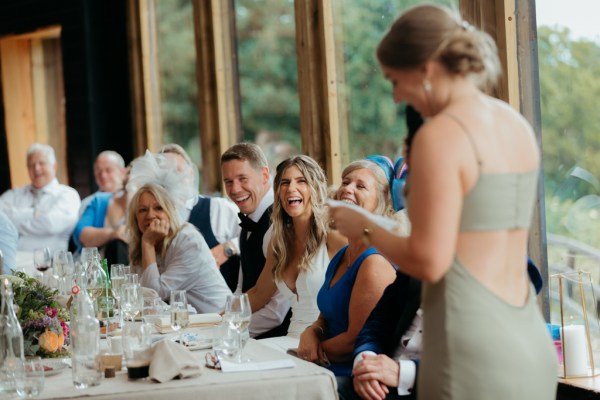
x,y
431,32
175,222
283,238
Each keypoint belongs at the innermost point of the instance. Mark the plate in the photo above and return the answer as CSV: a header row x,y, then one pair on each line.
x,y
54,366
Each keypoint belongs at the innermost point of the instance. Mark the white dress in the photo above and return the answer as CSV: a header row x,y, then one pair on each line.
x,y
305,310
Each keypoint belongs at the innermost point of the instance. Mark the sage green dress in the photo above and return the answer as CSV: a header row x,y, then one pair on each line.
x,y
475,345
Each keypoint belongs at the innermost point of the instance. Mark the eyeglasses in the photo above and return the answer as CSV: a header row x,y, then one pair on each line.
x,y
212,361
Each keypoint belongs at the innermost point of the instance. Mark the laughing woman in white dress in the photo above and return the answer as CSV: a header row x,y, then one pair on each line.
x,y
300,246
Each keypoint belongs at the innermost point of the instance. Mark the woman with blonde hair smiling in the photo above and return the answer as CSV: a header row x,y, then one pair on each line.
x,y
172,255
300,246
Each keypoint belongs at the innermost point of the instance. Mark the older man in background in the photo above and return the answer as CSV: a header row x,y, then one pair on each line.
x,y
109,172
45,211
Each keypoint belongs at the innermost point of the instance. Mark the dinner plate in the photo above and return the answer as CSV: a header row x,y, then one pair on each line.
x,y
54,366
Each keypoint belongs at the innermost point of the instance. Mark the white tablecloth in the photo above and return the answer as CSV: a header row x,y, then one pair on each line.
x,y
305,381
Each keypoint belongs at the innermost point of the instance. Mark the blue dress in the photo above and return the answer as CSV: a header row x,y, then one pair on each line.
x,y
334,301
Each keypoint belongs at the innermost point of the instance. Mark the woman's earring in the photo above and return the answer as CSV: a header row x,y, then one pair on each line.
x,y
427,85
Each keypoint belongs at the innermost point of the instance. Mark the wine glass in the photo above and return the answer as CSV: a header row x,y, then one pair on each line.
x,y
179,311
42,260
132,300
62,267
117,278
237,315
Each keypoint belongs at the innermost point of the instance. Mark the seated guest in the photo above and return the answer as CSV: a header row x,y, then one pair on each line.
x,y
109,172
388,346
247,182
170,254
8,244
300,246
356,276
215,217
44,212
102,225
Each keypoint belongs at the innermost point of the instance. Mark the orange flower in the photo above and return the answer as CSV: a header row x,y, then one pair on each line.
x,y
49,341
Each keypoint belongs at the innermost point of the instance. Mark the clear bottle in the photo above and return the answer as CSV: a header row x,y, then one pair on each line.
x,y
85,341
11,339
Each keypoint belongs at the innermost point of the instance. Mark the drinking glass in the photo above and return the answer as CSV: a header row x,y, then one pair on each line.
x,y
237,315
133,279
137,339
29,377
42,260
117,278
88,254
225,342
132,300
179,311
62,267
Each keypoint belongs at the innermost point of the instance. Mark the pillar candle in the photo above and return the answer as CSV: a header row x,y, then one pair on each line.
x,y
575,348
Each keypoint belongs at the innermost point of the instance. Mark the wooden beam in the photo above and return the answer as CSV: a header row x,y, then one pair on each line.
x,y
218,86
317,76
42,33
19,117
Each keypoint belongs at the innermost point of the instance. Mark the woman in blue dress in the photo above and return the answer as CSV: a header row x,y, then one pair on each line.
x,y
356,276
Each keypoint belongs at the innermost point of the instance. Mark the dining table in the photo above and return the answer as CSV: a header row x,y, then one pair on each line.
x,y
304,380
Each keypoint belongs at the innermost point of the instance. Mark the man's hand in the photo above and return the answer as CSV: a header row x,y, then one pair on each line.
x,y
218,253
373,375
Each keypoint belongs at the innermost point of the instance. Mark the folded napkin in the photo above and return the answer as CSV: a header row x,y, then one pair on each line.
x,y
171,360
163,324
229,366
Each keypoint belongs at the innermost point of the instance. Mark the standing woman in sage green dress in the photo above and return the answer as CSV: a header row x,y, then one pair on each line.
x,y
473,170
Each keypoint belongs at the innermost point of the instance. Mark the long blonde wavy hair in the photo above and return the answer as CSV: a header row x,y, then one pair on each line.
x,y
175,222
283,237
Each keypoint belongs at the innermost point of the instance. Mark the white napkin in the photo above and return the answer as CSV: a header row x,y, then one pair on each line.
x,y
171,360
229,366
163,324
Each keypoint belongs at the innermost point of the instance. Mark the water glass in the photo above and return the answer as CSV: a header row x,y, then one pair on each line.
x,y
132,301
63,267
237,315
29,377
225,342
137,339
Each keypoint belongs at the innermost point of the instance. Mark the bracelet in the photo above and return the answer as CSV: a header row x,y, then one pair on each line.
x,y
319,327
366,234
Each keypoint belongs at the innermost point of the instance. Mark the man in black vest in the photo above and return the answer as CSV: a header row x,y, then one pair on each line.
x,y
247,182
215,217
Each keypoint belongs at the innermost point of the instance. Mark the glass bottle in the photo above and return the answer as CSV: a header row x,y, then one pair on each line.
x,y
85,342
11,339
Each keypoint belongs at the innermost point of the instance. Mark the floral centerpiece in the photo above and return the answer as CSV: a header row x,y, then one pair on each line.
x,y
43,320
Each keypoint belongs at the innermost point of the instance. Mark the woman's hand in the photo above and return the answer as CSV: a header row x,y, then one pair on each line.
x,y
309,348
349,221
156,231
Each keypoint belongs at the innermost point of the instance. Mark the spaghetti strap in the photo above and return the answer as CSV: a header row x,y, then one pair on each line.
x,y
462,125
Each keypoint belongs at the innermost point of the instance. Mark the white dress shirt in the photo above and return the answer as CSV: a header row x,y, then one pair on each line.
x,y
274,312
224,220
188,265
43,219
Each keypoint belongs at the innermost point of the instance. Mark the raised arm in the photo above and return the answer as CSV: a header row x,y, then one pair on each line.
x,y
265,287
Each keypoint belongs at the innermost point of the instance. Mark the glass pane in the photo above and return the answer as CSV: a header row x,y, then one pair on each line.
x,y
376,125
266,46
178,87
569,62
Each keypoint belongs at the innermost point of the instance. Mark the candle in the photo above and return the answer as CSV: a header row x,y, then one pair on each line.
x,y
575,348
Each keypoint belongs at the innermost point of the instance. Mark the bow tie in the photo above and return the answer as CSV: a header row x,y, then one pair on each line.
x,y
247,224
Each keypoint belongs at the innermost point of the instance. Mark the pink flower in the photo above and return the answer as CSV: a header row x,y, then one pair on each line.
x,y
51,312
64,327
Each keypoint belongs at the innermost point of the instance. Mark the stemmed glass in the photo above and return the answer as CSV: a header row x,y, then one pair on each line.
x,y
132,300
237,315
62,267
42,260
179,311
117,278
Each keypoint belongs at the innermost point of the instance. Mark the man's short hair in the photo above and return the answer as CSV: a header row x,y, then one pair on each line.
x,y
174,148
116,157
42,148
246,152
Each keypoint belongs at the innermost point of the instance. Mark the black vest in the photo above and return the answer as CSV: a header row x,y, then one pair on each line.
x,y
200,218
251,249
